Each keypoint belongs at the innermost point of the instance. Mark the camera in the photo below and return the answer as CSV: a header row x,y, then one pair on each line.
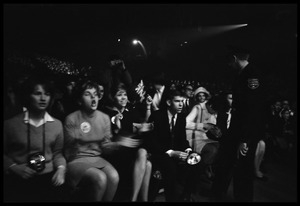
x,y
36,162
193,158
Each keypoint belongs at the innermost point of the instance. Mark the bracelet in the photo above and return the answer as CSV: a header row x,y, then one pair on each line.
x,y
61,166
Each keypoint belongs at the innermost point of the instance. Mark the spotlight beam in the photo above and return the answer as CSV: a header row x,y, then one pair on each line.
x,y
135,42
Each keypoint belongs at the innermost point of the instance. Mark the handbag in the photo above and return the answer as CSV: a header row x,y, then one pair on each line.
x,y
214,132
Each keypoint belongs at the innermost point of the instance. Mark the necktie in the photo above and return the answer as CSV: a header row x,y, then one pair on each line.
x,y
172,129
173,124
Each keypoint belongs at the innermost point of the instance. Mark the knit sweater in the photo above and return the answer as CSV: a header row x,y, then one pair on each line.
x,y
84,134
16,140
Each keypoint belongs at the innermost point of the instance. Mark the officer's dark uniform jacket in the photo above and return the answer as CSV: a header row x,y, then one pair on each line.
x,y
248,102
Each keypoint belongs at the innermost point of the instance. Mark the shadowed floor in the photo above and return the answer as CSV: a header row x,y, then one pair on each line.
x,y
280,187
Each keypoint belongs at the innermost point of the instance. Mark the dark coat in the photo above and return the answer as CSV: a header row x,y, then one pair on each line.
x,y
160,139
249,103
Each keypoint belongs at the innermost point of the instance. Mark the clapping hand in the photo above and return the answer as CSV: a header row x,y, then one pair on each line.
x,y
149,100
117,119
129,142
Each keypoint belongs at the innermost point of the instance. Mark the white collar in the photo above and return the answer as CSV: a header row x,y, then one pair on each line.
x,y
47,118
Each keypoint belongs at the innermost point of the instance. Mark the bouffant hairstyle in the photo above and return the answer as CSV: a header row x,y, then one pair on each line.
x,y
83,85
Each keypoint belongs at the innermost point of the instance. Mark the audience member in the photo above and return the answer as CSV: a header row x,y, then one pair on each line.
x,y
199,121
131,163
102,98
286,140
34,164
168,145
114,73
188,98
249,124
226,157
11,99
272,127
157,92
87,137
65,105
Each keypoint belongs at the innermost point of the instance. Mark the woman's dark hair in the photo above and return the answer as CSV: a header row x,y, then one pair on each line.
x,y
83,85
117,87
31,83
114,89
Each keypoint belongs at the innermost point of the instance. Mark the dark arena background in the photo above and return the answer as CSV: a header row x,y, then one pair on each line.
x,y
189,43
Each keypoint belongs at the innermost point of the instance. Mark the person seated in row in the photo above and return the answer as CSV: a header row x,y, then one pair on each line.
x,y
131,162
34,165
199,121
87,137
168,145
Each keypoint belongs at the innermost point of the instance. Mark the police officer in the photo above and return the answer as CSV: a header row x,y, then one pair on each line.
x,y
246,129
248,124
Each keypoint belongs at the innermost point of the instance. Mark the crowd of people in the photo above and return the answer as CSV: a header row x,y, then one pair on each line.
x,y
98,135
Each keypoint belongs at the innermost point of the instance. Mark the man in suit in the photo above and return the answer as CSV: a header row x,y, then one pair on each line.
x,y
227,152
188,98
167,143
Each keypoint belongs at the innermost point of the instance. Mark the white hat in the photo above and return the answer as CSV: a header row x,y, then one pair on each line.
x,y
203,90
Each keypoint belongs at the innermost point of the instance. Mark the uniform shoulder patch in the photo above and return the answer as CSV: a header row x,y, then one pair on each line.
x,y
253,83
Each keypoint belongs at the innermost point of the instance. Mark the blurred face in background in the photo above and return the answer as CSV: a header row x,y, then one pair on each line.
x,y
172,87
101,92
39,99
277,106
286,115
188,91
229,99
285,104
201,97
70,87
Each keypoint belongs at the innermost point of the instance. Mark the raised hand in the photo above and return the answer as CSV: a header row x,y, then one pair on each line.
x,y
243,149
